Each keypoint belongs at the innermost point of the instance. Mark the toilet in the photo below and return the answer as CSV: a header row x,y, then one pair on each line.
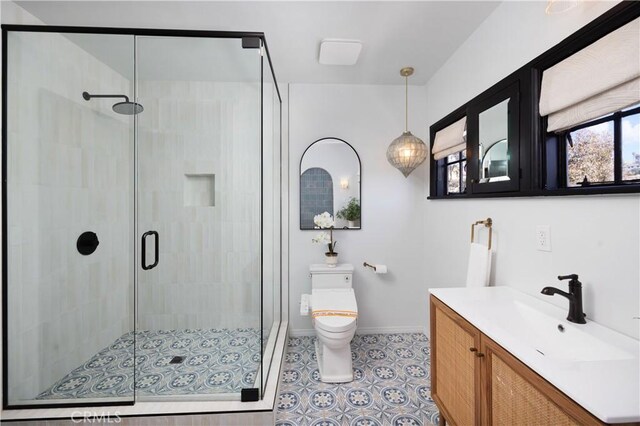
x,y
334,314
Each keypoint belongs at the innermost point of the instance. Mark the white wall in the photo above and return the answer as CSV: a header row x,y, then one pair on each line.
x,y
369,118
596,237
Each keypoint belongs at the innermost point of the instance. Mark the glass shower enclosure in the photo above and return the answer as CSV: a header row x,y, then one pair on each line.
x,y
142,215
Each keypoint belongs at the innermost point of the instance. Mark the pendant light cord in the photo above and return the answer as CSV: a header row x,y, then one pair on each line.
x,y
406,103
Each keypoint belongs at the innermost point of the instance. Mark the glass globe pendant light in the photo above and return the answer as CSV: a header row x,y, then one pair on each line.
x,y
406,152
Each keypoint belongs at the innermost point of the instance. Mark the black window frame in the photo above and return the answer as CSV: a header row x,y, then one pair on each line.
x,y
445,163
438,168
542,156
507,90
565,138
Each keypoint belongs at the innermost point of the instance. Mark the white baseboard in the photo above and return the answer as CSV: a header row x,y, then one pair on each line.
x,y
369,330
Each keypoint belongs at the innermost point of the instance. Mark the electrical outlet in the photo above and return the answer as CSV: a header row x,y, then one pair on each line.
x,y
543,237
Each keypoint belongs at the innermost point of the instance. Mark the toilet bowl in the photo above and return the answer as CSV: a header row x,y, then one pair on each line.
x,y
334,315
333,349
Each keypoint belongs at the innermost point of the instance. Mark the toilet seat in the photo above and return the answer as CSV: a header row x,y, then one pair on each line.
x,y
326,302
334,324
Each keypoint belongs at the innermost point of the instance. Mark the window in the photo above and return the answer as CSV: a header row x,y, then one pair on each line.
x,y
631,146
569,132
456,166
605,151
590,155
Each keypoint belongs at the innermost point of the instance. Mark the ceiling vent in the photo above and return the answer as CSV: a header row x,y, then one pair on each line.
x,y
339,52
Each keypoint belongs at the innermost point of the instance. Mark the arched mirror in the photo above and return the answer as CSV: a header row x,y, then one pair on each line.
x,y
493,143
330,182
494,162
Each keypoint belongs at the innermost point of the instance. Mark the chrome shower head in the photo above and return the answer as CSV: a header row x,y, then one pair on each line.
x,y
126,108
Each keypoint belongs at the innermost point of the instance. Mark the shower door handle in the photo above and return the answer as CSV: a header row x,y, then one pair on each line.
x,y
144,250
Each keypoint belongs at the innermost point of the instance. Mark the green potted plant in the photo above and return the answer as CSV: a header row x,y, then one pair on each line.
x,y
350,212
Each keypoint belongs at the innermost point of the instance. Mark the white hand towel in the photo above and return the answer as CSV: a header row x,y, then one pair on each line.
x,y
479,268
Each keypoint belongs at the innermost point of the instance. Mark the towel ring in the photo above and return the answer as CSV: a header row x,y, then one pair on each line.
x,y
488,223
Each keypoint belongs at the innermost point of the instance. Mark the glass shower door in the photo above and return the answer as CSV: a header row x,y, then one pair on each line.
x,y
272,217
199,217
68,235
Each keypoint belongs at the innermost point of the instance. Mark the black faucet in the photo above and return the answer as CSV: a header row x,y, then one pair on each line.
x,y
576,314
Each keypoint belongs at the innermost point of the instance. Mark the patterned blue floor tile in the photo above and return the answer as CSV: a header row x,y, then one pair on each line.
x,y
212,361
391,384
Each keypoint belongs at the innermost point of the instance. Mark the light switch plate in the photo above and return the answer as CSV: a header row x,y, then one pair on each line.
x,y
543,237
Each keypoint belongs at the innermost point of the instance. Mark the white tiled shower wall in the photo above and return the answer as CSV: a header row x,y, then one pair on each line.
x,y
69,171
209,272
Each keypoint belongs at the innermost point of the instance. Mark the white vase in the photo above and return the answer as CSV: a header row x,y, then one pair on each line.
x,y
351,223
331,259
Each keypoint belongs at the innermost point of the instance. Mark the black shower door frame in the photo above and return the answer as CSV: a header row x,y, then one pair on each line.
x,y
255,40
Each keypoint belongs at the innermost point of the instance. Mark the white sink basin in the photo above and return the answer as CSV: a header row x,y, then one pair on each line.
x,y
556,339
595,366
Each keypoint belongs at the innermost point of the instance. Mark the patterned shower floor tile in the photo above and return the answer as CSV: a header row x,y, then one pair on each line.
x,y
391,384
166,362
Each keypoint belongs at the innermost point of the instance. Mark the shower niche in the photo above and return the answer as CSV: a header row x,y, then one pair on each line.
x,y
130,134
199,190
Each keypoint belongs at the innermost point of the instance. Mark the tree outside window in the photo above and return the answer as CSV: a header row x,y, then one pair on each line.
x,y
606,152
590,155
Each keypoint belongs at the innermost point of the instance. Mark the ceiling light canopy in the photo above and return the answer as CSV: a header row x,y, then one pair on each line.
x,y
555,7
406,152
339,52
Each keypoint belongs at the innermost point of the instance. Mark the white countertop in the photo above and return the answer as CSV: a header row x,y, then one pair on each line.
x,y
604,378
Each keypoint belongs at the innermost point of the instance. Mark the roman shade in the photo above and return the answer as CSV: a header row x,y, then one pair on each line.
x,y
602,78
450,140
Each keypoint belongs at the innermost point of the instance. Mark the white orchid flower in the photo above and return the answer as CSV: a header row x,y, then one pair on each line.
x,y
324,220
322,238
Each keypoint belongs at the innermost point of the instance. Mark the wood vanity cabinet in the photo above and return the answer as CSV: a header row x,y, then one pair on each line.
x,y
455,368
474,381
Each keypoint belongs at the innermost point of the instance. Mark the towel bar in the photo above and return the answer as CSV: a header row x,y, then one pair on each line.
x,y
488,223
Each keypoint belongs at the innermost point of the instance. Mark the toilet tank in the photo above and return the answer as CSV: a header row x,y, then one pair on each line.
x,y
322,276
